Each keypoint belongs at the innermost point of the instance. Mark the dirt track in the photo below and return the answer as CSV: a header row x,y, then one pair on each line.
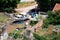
x,y
11,28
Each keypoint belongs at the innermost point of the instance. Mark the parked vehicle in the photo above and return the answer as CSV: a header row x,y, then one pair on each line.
x,y
20,17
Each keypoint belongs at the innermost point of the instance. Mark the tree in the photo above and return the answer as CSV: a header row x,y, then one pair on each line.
x,y
8,5
32,23
45,5
52,19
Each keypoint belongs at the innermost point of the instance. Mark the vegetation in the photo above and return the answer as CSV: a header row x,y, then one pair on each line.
x,y
45,5
57,26
3,18
39,17
15,35
58,1
24,38
32,23
37,37
53,18
47,37
8,5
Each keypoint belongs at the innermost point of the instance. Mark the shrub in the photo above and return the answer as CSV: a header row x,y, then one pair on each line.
x,y
6,4
37,37
32,23
52,19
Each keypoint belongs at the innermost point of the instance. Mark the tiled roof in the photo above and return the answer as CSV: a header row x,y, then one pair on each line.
x,y
57,7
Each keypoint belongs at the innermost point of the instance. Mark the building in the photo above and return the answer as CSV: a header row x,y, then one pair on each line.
x,y
57,7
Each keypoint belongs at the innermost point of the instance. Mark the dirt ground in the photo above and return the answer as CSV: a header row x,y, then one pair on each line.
x,y
11,28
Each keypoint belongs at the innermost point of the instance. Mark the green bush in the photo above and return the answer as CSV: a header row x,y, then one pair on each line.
x,y
24,38
57,37
8,9
45,5
32,23
6,5
39,17
37,37
16,35
52,19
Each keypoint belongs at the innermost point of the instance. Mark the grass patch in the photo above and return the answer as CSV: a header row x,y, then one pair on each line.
x,y
39,17
18,32
42,32
43,29
3,18
57,26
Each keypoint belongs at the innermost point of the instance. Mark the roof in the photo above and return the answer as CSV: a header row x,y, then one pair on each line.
x,y
57,7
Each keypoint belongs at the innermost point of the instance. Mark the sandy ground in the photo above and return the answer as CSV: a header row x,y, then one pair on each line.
x,y
11,28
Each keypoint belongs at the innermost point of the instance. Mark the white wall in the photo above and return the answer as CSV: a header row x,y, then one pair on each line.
x,y
26,0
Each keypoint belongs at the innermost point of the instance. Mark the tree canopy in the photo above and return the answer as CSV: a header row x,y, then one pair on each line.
x,y
45,5
52,19
58,1
8,4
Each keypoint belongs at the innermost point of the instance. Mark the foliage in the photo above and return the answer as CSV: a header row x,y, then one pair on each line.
x,y
8,4
47,37
39,17
56,37
45,5
3,18
58,1
32,23
37,37
16,35
57,26
52,19
24,38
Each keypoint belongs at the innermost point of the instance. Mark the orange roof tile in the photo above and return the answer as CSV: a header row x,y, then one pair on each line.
x,y
57,7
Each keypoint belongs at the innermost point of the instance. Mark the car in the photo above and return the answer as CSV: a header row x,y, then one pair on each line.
x,y
20,17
